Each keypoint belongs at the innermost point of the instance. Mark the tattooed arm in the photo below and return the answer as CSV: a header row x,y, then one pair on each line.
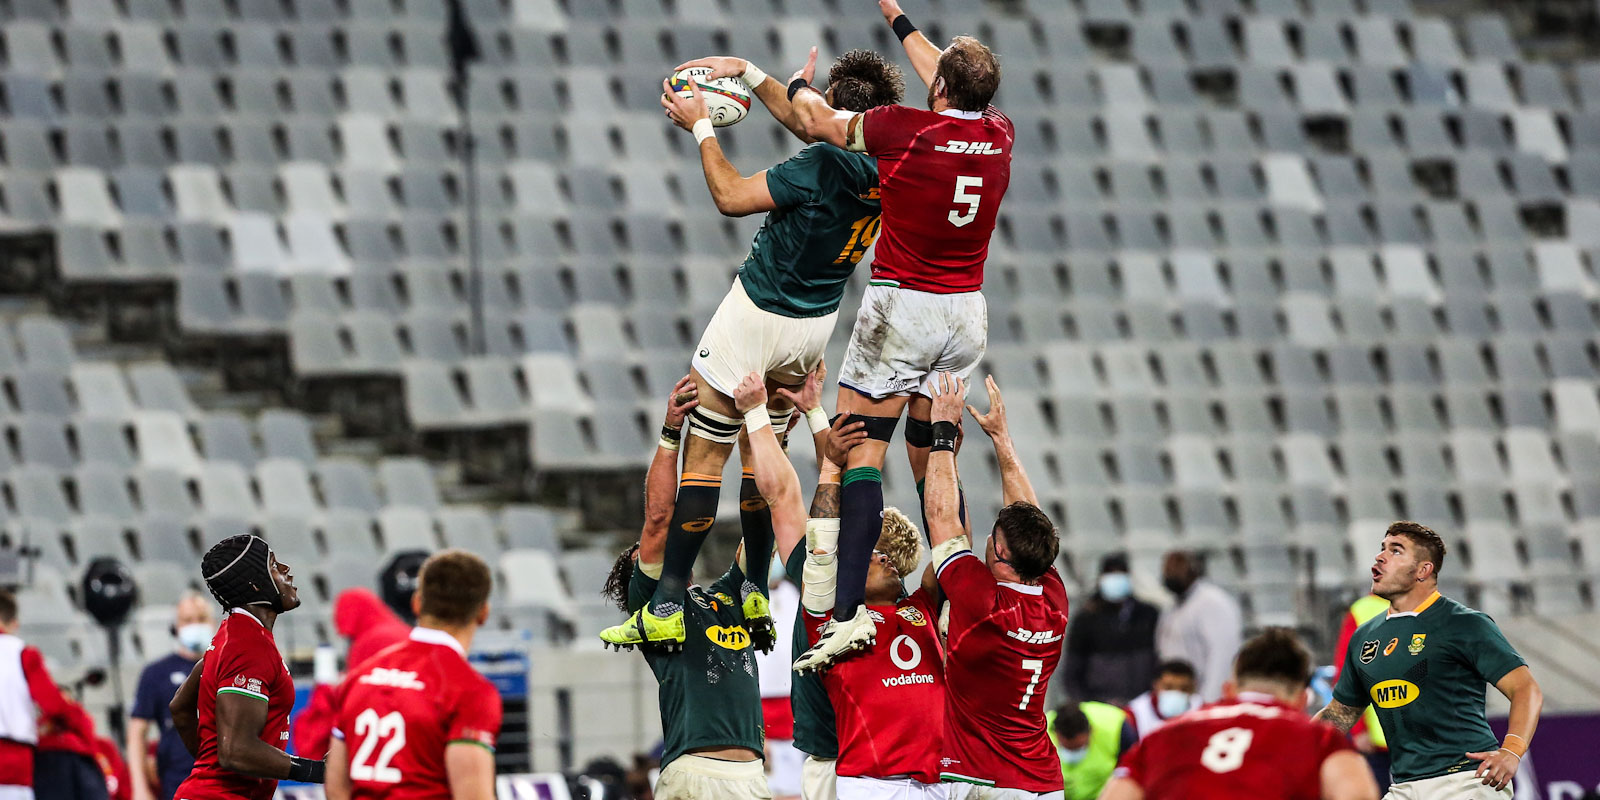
x,y
1339,715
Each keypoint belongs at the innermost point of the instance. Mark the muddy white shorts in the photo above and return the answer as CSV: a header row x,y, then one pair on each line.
x,y
699,778
1460,786
742,338
818,780
972,791
890,789
903,336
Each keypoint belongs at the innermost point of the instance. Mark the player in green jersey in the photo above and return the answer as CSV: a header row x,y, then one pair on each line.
x,y
708,690
1423,665
822,215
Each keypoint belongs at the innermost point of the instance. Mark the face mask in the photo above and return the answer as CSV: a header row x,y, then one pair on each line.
x,y
1116,586
195,637
1175,585
1171,702
1073,756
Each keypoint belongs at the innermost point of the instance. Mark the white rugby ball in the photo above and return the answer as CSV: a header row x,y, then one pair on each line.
x,y
727,99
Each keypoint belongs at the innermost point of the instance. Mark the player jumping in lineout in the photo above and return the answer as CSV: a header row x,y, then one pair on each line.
x,y
1424,664
942,174
822,215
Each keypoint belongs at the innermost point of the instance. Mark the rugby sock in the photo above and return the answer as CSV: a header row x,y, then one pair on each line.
x,y
755,524
691,519
961,509
860,523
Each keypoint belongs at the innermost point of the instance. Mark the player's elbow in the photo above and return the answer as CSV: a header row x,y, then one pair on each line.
x,y
729,206
230,753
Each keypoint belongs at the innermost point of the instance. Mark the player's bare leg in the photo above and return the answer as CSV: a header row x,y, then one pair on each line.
x,y
713,429
860,522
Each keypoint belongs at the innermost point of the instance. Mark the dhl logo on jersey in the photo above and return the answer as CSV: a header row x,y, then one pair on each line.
x,y
732,638
1394,694
969,148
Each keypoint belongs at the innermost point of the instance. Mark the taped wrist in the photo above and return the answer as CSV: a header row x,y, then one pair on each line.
x,y
903,27
820,575
796,85
305,770
651,571
753,76
944,436
817,420
919,432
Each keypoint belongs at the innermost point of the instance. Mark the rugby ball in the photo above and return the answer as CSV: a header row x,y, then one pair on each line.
x,y
727,99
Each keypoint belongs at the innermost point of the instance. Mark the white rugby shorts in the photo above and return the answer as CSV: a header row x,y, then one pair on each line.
x,y
785,765
1464,785
741,338
890,789
818,780
9,792
903,336
691,777
972,791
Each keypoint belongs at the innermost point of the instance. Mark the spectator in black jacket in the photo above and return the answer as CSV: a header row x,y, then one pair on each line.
x,y
1110,656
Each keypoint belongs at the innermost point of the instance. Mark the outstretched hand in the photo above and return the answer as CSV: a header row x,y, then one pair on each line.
x,y
994,422
810,394
948,392
684,111
808,71
890,9
751,393
683,399
720,66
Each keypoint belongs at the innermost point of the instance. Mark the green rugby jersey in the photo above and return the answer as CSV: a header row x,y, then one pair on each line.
x,y
708,691
814,733
1426,673
827,217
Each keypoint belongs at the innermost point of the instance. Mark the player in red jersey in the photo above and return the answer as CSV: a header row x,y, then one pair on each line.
x,y
233,711
1008,613
416,721
942,173
1256,743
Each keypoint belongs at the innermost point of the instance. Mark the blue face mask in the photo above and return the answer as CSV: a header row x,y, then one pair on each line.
x,y
1171,702
1116,586
1072,755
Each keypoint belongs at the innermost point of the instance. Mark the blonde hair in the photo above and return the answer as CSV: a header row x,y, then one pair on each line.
x,y
900,541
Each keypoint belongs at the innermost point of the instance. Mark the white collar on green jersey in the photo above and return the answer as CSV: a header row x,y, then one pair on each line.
x,y
1426,604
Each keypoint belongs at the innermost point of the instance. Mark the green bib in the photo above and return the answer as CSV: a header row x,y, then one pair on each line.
x,y
1085,779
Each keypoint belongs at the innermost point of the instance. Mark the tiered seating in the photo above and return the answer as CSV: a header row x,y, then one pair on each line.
x,y
1270,273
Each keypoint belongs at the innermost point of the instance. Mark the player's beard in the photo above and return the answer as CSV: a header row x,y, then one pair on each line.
x,y
1394,584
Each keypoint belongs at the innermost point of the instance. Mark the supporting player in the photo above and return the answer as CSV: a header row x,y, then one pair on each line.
x,y
421,721
780,312
1256,742
709,696
1424,664
943,173
1008,614
233,711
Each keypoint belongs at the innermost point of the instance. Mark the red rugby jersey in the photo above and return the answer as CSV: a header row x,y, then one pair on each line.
x,y
1250,746
243,660
399,710
941,177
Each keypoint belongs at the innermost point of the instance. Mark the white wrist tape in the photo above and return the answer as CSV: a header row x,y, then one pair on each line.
x,y
948,548
667,444
756,418
703,130
753,76
820,575
651,570
817,419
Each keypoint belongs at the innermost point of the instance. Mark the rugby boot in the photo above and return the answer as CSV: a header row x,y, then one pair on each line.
x,y
646,629
840,638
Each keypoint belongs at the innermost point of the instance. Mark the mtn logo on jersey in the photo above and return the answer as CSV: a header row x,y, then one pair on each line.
x,y
1394,694
913,615
398,679
969,148
734,638
1034,637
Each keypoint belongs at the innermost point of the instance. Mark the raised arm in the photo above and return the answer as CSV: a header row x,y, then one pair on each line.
x,y
734,194
775,476
923,54
767,89
1013,479
940,491
661,481
809,401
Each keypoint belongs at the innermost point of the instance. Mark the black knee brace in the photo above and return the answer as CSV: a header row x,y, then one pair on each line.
x,y
880,428
919,433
